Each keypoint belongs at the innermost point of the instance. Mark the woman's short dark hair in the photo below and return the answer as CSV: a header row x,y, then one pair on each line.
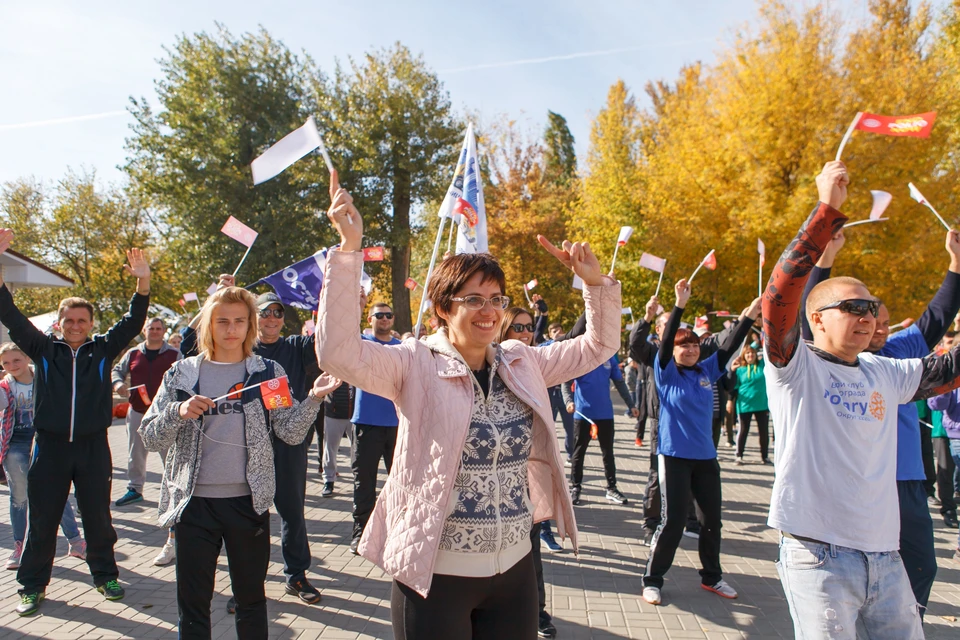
x,y
685,336
454,272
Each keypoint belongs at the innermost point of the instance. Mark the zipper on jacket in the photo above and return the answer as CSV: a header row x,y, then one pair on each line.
x,y
73,391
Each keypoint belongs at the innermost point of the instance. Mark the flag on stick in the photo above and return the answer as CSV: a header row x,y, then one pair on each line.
x,y
242,234
373,254
762,250
916,195
212,289
411,284
299,284
191,296
276,394
652,262
626,311
881,200
625,233
142,392
472,230
709,261
916,126
288,150
527,287
577,282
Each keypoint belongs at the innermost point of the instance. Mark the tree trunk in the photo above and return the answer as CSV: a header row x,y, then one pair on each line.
x,y
400,251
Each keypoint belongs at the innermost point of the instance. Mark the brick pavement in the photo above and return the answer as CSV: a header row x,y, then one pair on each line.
x,y
596,596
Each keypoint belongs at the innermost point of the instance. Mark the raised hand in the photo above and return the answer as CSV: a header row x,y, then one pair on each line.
x,y
831,250
832,184
682,289
137,264
226,280
324,385
753,310
577,257
650,312
952,244
344,216
195,406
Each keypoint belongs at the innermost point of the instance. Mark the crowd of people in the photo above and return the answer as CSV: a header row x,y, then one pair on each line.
x,y
464,422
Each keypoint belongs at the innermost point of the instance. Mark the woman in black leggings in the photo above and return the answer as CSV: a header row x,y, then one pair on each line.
x,y
747,374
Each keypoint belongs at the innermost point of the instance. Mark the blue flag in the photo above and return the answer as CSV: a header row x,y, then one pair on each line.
x,y
299,284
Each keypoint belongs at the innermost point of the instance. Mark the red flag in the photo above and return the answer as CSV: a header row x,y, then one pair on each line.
x,y
144,396
182,302
701,324
710,262
372,254
410,284
916,126
276,394
239,231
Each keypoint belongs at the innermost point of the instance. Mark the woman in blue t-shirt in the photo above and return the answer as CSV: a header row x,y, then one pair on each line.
x,y
687,457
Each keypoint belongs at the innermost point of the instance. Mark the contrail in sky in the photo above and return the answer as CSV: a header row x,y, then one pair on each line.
x,y
572,56
68,120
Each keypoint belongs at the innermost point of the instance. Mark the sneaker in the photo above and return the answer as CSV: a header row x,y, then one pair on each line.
x,y
950,520
546,537
932,501
29,603
327,489
232,606
731,445
651,595
13,562
545,629
687,533
112,590
130,497
355,545
638,442
647,539
614,496
167,554
767,461
739,461
575,495
722,589
77,549
303,590
568,462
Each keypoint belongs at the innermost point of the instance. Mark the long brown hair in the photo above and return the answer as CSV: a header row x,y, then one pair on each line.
x,y
228,295
509,316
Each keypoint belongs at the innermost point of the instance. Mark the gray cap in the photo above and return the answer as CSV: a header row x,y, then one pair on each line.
x,y
264,300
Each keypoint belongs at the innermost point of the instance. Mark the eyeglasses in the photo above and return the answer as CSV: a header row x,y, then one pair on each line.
x,y
519,327
380,315
266,313
856,307
475,303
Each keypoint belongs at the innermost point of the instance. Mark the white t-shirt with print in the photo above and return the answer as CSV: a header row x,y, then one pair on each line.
x,y
836,454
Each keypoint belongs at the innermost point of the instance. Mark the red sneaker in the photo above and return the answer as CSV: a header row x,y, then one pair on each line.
x,y
639,442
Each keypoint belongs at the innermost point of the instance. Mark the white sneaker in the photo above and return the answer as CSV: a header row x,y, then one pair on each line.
x,y
167,555
722,589
651,595
691,534
13,562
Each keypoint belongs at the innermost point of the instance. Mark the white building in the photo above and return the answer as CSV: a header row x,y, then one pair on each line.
x,y
19,271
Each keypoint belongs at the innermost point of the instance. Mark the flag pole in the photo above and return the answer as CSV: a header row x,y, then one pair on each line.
x,y
856,222
614,262
942,221
433,261
526,295
760,281
245,254
659,282
227,395
849,133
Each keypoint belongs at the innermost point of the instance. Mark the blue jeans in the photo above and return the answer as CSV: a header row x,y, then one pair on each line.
x,y
556,403
832,590
15,465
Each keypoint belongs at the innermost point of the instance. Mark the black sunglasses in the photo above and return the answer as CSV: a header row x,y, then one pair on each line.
x,y
266,313
519,327
857,307
380,315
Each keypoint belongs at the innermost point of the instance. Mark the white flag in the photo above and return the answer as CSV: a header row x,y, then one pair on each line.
x,y
916,195
188,297
577,282
653,263
626,311
625,233
284,153
881,200
530,285
472,230
762,250
212,289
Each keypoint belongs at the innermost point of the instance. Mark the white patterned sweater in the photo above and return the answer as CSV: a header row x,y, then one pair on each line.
x,y
488,529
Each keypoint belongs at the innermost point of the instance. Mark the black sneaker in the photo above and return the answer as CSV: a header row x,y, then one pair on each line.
x,y
545,629
112,590
232,606
130,497
575,495
355,545
614,495
303,590
950,520
327,489
29,603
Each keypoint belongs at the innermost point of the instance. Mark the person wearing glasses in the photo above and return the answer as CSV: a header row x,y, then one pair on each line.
x,y
835,499
477,461
375,425
914,443
297,355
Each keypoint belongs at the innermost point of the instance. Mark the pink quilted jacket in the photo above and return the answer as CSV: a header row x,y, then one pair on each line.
x,y
434,397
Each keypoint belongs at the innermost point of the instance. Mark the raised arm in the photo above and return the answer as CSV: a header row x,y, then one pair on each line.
x,y
782,298
640,348
578,329
939,314
665,354
940,374
734,340
540,324
126,329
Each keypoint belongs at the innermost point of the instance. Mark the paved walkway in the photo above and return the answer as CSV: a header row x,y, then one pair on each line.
x,y
596,596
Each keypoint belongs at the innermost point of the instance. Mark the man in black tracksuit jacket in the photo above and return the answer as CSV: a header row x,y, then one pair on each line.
x,y
73,407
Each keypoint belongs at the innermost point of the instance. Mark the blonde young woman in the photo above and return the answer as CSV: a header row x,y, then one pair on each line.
x,y
219,480
453,534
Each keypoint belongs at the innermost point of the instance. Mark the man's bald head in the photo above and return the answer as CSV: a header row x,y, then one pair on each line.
x,y
835,290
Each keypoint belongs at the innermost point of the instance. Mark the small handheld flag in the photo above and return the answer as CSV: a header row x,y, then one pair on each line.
x,y
373,254
577,282
276,394
190,296
288,150
626,311
625,233
881,200
212,289
242,234
762,250
652,262
142,391
916,195
710,262
530,285
916,126
410,284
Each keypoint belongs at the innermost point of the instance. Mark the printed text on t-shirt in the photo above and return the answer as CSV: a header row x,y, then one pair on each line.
x,y
853,401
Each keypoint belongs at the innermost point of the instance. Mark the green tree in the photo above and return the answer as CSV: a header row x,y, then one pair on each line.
x,y
559,152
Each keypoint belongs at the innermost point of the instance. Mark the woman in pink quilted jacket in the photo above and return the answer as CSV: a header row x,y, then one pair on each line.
x,y
477,460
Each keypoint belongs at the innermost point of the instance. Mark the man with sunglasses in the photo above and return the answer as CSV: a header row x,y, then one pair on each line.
x,y
297,356
914,445
375,422
834,498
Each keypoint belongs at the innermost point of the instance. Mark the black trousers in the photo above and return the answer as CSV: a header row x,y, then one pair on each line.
x,y
652,507
495,608
679,477
205,525
945,470
373,443
929,468
87,463
290,468
763,426
581,440
641,427
916,539
538,568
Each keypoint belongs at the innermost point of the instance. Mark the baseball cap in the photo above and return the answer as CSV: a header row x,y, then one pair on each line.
x,y
264,300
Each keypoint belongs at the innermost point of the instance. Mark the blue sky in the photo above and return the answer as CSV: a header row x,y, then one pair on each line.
x,y
68,59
